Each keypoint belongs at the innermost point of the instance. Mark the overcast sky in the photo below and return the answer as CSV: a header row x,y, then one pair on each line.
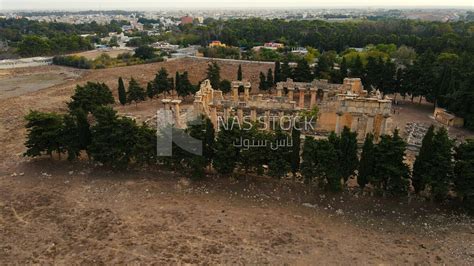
x,y
157,4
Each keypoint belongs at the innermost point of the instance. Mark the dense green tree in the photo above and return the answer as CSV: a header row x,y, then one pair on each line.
x,y
76,134
422,168
110,129
204,131
319,161
280,156
225,86
226,154
183,85
161,82
90,96
464,173
391,173
367,162
145,52
442,168
144,147
135,93
214,75
122,94
45,133
302,72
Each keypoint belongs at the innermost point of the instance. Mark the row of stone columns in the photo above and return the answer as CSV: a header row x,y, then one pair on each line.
x,y
301,103
235,92
240,114
369,128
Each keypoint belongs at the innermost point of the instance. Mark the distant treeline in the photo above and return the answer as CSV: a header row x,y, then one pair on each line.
x,y
34,38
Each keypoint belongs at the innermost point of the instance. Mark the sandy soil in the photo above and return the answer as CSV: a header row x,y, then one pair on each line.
x,y
61,212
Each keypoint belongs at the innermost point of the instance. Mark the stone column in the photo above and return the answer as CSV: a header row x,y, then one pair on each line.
x,y
177,111
301,98
384,125
325,95
338,126
312,102
213,115
279,89
354,123
253,114
370,125
246,93
235,93
290,93
166,104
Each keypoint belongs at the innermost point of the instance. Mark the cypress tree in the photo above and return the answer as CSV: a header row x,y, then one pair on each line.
x,y
239,73
277,72
162,82
122,94
422,168
348,153
263,85
464,173
135,92
443,168
214,75
343,68
280,158
391,173
270,80
357,70
177,84
150,91
226,154
302,72
286,71
295,150
367,162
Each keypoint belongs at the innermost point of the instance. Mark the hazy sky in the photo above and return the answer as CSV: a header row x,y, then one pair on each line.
x,y
157,4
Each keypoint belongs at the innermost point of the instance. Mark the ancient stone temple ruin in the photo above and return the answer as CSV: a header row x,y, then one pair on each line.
x,y
339,105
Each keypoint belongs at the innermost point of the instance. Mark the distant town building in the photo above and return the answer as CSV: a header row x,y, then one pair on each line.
x,y
273,45
216,44
187,20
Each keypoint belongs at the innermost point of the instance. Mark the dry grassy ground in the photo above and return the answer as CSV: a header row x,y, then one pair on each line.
x,y
61,212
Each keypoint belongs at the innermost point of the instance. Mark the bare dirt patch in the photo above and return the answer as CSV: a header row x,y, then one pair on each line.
x,y
57,212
